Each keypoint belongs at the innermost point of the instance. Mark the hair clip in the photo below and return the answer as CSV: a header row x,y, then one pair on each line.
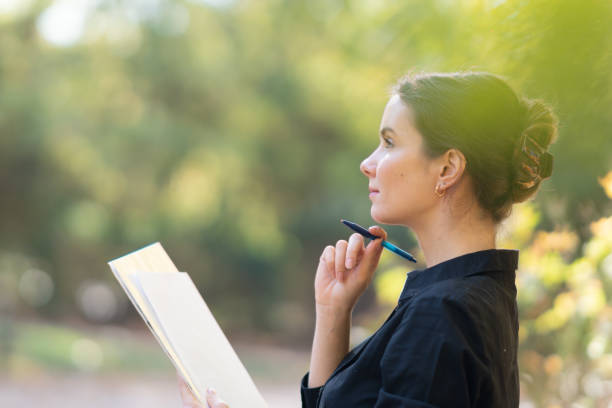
x,y
546,165
541,162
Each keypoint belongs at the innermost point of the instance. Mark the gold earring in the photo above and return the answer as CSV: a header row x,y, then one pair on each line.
x,y
438,190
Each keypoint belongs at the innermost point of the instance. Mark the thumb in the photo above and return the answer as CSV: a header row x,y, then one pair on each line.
x,y
189,400
213,400
374,249
378,231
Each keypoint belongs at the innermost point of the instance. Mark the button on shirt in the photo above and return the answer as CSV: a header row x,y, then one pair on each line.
x,y
450,342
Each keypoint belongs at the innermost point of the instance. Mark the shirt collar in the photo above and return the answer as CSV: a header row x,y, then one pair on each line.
x,y
473,263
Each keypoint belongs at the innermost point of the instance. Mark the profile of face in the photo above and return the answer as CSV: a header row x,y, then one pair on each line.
x,y
401,177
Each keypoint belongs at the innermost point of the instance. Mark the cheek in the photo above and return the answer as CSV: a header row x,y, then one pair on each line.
x,y
393,170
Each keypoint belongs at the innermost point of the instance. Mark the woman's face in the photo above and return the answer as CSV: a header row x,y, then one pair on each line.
x,y
401,177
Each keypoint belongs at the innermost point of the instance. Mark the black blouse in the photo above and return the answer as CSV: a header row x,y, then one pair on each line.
x,y
450,342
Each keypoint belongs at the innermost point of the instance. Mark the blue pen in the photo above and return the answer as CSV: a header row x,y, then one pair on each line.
x,y
358,228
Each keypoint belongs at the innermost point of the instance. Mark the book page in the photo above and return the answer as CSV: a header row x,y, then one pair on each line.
x,y
196,338
152,258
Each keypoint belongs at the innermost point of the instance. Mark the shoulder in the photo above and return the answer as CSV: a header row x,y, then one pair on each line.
x,y
453,305
434,306
457,292
439,321
464,311
471,295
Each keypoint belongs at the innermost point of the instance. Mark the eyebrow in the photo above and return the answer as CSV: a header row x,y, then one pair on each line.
x,y
385,130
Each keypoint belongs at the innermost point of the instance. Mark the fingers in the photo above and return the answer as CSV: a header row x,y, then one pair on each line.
x,y
354,250
347,255
340,257
213,400
374,249
187,397
327,259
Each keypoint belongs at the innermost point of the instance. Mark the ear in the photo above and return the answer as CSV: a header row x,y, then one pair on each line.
x,y
452,167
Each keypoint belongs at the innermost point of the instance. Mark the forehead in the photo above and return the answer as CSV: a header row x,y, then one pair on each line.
x,y
399,117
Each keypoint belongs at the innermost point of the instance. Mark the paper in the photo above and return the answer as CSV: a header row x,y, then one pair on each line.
x,y
186,329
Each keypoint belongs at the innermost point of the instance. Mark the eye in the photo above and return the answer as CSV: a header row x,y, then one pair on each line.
x,y
387,142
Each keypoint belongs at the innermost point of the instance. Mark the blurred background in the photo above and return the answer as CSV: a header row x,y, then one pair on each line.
x,y
232,131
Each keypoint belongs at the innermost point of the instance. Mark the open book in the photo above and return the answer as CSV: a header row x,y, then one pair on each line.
x,y
178,317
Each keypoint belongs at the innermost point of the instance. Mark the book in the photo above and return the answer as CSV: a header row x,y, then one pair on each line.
x,y
170,304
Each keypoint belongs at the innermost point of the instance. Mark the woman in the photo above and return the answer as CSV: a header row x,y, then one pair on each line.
x,y
456,152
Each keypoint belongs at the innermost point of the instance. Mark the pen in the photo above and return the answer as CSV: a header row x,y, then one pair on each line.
x,y
358,228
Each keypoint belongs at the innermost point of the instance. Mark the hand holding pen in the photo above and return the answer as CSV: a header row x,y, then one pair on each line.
x,y
345,271
359,229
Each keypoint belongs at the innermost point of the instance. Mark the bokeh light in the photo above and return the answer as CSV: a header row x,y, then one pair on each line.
x,y
98,302
86,354
36,287
63,22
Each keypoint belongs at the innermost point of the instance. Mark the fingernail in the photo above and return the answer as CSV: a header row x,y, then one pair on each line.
x,y
211,391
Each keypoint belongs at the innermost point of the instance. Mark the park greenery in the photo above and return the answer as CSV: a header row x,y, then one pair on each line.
x,y
232,132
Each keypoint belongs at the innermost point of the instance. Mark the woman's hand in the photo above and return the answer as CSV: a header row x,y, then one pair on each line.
x,y
345,271
190,401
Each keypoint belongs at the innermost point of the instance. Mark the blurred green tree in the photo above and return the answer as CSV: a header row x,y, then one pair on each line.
x,y
233,132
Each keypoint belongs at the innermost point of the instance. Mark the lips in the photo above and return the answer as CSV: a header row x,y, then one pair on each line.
x,y
373,192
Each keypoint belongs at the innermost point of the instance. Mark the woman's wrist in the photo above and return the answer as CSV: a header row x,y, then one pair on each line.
x,y
330,343
333,321
333,312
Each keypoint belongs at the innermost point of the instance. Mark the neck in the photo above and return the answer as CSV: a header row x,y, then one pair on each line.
x,y
445,236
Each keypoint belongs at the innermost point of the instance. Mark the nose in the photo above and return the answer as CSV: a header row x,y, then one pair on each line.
x,y
368,166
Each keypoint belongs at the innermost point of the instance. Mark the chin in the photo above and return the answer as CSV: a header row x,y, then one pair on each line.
x,y
379,217
388,219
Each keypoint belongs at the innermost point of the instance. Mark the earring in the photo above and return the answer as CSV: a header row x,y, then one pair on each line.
x,y
438,190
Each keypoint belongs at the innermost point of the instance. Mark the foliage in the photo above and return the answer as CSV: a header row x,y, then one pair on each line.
x,y
67,350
